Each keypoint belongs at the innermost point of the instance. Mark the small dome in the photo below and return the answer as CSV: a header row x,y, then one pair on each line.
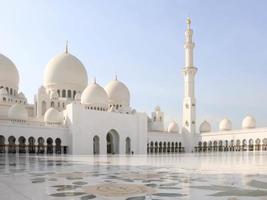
x,y
249,122
157,108
173,127
18,112
21,95
3,91
77,97
94,94
53,94
65,70
9,75
118,93
53,116
225,125
204,127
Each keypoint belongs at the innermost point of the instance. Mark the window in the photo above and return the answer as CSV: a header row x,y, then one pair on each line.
x,y
52,104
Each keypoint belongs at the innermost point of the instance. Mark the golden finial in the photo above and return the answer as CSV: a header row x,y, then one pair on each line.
x,y
188,22
67,47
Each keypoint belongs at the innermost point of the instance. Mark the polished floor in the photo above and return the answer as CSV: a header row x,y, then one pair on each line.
x,y
218,175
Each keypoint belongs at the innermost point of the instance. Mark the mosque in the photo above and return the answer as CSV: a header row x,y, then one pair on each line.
x,y
70,116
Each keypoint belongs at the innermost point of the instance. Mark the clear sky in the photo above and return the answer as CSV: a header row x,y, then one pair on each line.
x,y
143,42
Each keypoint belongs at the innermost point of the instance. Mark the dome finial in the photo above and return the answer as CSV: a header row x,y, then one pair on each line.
x,y
67,47
116,77
188,22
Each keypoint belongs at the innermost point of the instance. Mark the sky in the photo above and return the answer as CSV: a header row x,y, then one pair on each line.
x,y
142,41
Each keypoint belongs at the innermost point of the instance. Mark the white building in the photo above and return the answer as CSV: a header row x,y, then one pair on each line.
x,y
71,116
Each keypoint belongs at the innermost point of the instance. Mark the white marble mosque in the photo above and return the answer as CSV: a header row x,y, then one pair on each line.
x,y
70,116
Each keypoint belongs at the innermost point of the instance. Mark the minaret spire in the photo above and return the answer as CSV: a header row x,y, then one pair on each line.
x,y
67,47
189,72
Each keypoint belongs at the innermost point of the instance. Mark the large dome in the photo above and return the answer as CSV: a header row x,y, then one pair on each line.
x,y
17,112
9,76
94,95
65,71
173,127
225,125
53,116
118,93
249,122
204,127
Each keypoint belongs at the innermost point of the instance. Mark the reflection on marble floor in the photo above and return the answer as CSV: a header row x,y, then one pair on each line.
x,y
240,175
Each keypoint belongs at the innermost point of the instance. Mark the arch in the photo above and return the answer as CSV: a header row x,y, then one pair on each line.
x,y
11,144
63,93
52,104
210,146
251,145
2,144
58,93
264,144
238,145
128,145
22,145
43,107
168,147
226,145
164,147
160,147
244,145
11,91
205,144
58,146
199,146
258,144
96,145
74,93
215,147
151,146
40,145
113,142
69,93
172,148
49,147
31,146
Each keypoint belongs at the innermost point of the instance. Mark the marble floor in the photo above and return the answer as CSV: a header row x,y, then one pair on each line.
x,y
220,175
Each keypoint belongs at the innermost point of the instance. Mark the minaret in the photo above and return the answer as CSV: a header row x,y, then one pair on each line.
x,y
189,72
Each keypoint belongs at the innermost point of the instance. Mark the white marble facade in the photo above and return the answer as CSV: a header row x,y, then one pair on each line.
x,y
71,116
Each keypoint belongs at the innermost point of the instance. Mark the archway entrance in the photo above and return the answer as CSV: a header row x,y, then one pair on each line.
x,y
128,145
113,142
96,147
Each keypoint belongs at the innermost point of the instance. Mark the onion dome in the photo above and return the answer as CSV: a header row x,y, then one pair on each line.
x,y
118,93
53,116
249,122
9,76
225,125
65,71
204,127
173,127
94,95
17,112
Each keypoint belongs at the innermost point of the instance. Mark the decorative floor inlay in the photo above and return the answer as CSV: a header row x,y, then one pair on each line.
x,y
172,177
